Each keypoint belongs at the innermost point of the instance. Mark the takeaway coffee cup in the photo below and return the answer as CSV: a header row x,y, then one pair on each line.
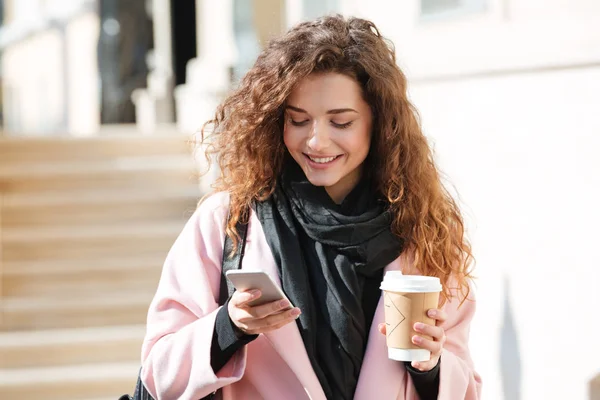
x,y
407,298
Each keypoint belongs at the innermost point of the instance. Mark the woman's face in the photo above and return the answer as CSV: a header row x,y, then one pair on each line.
x,y
328,131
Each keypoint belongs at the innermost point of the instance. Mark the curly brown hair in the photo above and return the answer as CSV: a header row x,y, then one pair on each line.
x,y
250,149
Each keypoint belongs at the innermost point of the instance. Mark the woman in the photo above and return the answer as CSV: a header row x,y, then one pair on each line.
x,y
322,155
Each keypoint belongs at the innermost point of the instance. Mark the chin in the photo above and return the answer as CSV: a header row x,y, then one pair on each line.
x,y
321,181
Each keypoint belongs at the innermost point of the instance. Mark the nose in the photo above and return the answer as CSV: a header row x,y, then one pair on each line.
x,y
319,137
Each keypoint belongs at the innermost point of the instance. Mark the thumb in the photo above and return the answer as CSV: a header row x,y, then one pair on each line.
x,y
382,328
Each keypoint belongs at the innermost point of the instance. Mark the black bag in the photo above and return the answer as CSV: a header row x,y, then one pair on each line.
x,y
226,289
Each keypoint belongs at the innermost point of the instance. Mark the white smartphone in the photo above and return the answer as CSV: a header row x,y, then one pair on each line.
x,y
248,280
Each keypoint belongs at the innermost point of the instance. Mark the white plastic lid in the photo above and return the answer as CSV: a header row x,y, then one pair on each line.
x,y
408,354
394,281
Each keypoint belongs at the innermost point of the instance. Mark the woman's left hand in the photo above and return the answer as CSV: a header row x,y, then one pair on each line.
x,y
435,346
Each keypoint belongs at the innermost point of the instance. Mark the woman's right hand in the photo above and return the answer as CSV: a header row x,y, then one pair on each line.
x,y
259,319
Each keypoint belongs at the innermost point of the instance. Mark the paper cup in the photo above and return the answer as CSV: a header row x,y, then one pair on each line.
x,y
407,298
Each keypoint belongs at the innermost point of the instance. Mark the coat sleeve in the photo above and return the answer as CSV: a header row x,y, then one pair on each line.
x,y
458,379
181,318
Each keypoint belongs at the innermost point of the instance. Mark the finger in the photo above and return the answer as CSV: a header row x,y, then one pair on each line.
x,y
242,316
273,320
424,366
239,299
434,347
279,325
278,318
437,314
382,328
267,309
429,330
255,316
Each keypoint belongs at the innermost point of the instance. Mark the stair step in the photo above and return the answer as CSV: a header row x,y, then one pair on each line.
x,y
85,227
23,349
74,382
55,279
95,196
98,207
84,167
24,150
83,243
97,309
139,173
91,266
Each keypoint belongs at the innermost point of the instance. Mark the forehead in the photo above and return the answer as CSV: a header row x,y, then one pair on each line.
x,y
326,90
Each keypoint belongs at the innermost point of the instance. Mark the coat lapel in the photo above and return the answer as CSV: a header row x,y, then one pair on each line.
x,y
381,377
286,340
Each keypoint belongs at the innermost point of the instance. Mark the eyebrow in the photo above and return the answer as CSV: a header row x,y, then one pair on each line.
x,y
334,111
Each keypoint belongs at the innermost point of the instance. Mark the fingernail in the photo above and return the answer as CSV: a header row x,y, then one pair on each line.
x,y
419,326
284,303
417,339
416,364
432,313
296,312
255,293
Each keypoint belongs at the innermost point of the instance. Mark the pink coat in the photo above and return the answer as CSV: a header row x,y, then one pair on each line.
x,y
275,366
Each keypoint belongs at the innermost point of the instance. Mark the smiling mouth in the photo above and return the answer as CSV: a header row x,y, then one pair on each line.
x,y
322,160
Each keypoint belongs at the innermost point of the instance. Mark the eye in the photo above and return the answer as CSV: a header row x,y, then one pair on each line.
x,y
298,123
342,126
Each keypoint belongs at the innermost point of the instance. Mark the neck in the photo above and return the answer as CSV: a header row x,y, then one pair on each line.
x,y
341,189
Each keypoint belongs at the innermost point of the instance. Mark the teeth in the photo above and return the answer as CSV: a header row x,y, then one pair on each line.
x,y
322,160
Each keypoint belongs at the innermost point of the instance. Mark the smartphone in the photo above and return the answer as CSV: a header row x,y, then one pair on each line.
x,y
248,280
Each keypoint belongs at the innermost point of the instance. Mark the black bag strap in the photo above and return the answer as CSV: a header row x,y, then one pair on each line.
x,y
232,262
226,290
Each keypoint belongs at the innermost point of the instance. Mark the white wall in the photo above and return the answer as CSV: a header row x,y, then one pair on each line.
x,y
84,81
522,151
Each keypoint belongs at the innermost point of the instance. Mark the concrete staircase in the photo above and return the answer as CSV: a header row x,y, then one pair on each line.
x,y
85,225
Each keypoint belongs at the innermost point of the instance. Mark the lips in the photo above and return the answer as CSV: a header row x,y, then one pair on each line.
x,y
320,162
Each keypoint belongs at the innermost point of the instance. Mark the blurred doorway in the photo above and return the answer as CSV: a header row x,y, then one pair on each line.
x,y
183,23
125,39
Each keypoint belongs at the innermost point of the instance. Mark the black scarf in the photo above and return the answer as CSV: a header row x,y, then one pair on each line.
x,y
328,255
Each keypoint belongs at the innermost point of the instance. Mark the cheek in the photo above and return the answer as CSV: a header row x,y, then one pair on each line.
x,y
286,137
358,144
292,138
289,145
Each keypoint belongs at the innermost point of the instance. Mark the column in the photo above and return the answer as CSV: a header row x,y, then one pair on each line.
x,y
294,9
208,76
154,104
